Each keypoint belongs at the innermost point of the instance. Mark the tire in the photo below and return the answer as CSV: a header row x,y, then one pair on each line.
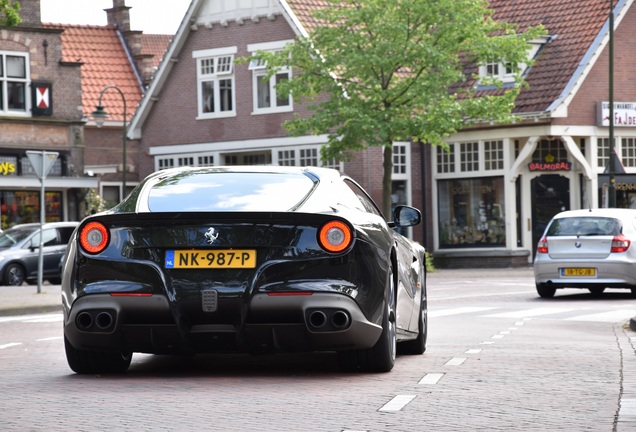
x,y
596,291
545,291
417,346
381,357
14,275
96,362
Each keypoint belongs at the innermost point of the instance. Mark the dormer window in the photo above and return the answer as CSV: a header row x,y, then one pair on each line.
x,y
215,76
265,94
14,83
499,71
503,71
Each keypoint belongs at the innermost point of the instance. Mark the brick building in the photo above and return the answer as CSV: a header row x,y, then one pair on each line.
x,y
487,200
39,99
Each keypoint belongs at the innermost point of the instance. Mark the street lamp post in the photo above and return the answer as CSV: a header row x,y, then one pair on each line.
x,y
611,201
99,115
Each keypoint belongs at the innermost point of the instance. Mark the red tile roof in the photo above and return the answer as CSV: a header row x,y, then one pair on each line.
x,y
105,63
155,45
573,24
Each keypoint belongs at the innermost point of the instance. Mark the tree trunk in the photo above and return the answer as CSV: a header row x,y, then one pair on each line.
x,y
387,184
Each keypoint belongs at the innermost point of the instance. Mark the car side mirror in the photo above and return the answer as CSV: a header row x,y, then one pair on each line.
x,y
406,216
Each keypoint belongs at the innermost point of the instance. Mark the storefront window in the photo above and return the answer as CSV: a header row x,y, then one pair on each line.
x,y
18,207
471,212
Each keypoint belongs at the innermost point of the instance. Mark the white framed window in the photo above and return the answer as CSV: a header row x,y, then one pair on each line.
x,y
497,70
287,157
628,152
14,83
493,155
602,152
309,156
215,82
446,159
469,156
265,95
165,163
400,158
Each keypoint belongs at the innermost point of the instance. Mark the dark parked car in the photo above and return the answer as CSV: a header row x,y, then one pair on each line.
x,y
248,259
20,251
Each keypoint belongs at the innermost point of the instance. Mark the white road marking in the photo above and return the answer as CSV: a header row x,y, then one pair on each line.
x,y
9,345
49,339
457,311
431,378
529,313
32,318
397,403
456,361
609,317
473,351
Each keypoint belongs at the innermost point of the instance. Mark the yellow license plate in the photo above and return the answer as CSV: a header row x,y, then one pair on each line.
x,y
578,272
211,258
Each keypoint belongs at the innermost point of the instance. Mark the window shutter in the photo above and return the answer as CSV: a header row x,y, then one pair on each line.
x,y
41,98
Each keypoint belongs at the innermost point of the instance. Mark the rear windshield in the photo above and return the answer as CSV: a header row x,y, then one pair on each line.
x,y
585,226
196,191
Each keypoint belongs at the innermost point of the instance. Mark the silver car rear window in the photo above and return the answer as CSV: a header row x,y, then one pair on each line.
x,y
195,191
585,226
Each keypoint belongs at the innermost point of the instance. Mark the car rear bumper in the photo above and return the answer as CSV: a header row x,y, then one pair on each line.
x,y
316,322
617,274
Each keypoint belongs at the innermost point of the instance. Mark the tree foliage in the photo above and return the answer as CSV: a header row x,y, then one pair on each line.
x,y
379,71
9,13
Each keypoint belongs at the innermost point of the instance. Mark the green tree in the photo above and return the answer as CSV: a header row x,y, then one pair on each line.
x,y
378,71
9,13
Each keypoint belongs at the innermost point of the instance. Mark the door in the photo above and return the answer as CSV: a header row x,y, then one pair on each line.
x,y
550,195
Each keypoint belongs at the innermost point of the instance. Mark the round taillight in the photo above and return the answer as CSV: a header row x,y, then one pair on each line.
x,y
94,237
335,236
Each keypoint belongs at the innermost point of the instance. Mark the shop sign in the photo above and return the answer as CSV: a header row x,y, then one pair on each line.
x,y
624,114
549,164
7,168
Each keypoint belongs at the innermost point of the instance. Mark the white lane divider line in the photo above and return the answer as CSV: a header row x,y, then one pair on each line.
x,y
431,378
487,342
49,339
473,351
530,313
497,336
520,323
9,345
457,311
455,361
397,403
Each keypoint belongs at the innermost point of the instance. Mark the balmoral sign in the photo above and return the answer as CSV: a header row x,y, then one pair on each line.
x,y
624,114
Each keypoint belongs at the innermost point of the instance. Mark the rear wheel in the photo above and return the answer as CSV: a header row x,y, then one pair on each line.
x,y
96,362
545,291
381,357
14,275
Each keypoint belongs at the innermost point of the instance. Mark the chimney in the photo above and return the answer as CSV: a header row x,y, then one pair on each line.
x,y
119,15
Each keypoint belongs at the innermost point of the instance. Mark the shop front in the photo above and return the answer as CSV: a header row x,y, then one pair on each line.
x,y
20,192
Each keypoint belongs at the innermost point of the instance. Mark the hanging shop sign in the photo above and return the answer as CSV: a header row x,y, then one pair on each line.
x,y
624,114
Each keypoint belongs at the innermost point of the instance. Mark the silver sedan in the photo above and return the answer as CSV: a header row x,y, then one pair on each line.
x,y
592,249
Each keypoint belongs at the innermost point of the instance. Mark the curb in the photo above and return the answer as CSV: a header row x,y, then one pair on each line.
x,y
30,310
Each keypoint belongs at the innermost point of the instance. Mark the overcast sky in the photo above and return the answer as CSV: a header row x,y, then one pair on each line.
x,y
150,16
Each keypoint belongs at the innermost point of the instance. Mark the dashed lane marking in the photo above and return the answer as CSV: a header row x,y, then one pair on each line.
x,y
397,403
431,378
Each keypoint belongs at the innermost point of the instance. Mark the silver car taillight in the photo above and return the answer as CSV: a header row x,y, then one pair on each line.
x,y
542,246
620,243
